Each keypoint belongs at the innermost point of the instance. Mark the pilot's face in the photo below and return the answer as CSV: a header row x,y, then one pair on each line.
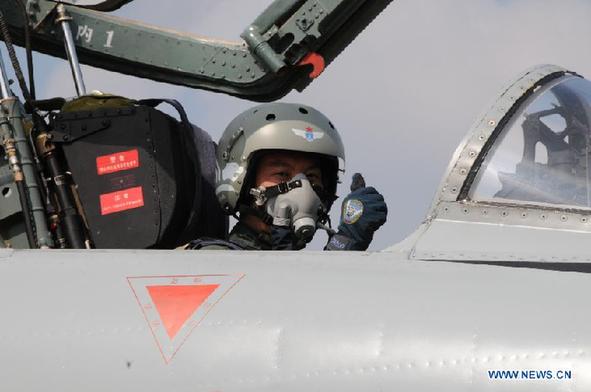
x,y
281,166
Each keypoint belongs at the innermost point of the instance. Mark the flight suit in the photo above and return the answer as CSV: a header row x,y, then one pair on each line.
x,y
242,237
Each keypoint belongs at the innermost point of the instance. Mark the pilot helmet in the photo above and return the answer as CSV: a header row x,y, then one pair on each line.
x,y
275,126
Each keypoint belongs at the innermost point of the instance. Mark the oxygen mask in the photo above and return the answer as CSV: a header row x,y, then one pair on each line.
x,y
294,204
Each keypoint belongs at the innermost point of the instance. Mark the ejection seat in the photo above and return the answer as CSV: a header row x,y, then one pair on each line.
x,y
554,180
144,179
553,168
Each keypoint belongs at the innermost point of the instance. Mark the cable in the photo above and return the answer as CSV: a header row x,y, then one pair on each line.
x,y
28,218
28,47
14,60
10,150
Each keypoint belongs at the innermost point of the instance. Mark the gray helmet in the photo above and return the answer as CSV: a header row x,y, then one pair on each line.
x,y
275,126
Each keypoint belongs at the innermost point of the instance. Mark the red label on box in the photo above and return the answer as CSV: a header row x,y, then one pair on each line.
x,y
119,161
126,199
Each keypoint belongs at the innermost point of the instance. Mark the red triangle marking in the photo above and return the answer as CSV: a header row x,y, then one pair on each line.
x,y
176,304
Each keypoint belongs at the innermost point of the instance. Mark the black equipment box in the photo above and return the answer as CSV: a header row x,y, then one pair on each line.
x,y
139,176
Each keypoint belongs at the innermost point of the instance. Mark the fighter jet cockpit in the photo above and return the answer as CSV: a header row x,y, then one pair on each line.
x,y
99,171
98,192
109,172
542,155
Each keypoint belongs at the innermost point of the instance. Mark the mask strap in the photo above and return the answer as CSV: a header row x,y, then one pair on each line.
x,y
247,210
262,194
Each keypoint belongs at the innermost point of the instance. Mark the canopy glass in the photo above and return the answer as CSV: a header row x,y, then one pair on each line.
x,y
542,155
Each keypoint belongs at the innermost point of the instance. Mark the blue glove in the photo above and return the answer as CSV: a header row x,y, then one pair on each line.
x,y
363,212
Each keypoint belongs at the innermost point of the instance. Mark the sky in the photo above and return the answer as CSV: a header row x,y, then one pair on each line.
x,y
403,95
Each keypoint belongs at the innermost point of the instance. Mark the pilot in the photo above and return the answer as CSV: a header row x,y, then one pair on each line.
x,y
278,169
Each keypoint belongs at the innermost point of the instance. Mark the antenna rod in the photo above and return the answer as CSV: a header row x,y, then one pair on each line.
x,y
64,20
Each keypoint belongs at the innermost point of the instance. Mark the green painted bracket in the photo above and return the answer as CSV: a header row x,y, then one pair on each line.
x,y
265,66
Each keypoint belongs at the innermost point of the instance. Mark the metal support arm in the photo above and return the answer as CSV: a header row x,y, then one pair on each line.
x,y
264,68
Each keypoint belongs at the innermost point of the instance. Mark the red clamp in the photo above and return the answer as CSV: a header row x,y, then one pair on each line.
x,y
317,62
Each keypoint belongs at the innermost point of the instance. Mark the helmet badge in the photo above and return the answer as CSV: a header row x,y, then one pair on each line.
x,y
309,134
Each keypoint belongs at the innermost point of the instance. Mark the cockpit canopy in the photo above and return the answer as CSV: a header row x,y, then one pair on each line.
x,y
542,155
518,189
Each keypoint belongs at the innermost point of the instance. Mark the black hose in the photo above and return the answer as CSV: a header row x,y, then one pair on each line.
x,y
73,225
22,194
28,48
14,60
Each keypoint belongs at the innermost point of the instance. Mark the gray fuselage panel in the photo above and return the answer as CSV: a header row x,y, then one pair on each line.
x,y
77,321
